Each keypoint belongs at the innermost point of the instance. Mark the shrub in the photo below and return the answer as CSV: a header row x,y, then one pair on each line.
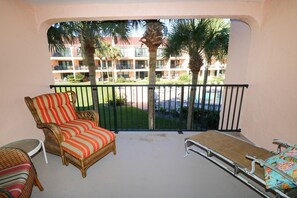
x,y
217,80
184,77
78,78
121,80
118,101
208,119
70,78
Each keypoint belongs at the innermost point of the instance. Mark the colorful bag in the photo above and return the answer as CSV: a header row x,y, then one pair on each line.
x,y
286,162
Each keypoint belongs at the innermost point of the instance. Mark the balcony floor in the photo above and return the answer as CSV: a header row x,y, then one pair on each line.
x,y
147,165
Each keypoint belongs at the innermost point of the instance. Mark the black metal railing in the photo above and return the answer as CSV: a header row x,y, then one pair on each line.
x,y
124,107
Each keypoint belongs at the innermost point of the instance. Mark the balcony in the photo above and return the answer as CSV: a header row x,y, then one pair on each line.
x,y
129,66
141,64
147,165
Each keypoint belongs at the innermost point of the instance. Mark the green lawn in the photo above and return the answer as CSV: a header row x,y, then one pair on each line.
x,y
123,117
131,118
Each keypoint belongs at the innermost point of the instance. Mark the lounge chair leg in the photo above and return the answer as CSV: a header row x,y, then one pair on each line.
x,y
209,153
83,173
186,148
83,168
114,149
38,184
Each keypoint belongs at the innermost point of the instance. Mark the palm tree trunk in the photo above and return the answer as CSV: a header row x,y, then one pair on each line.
x,y
192,100
204,86
88,59
151,90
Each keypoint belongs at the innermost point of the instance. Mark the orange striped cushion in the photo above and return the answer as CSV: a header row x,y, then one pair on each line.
x,y
55,108
86,143
14,178
74,127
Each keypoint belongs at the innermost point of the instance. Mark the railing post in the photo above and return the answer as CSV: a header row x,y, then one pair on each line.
x,y
181,110
114,109
151,107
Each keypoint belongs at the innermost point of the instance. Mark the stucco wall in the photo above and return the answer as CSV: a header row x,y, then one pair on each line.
x,y
270,109
25,69
239,50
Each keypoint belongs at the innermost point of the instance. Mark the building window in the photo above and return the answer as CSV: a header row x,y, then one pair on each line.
x,y
141,52
160,52
160,64
106,64
65,53
174,64
123,75
141,75
159,74
78,52
124,64
141,64
64,65
126,52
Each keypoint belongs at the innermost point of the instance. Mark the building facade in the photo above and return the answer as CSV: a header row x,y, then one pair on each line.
x,y
132,65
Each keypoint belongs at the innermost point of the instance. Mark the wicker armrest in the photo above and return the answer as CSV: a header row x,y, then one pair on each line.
x,y
89,115
54,128
11,157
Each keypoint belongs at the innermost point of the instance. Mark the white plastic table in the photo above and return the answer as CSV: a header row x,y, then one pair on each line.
x,y
30,146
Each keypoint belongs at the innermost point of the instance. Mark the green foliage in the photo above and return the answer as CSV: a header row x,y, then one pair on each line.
x,y
217,80
121,80
206,119
118,101
78,78
163,110
184,77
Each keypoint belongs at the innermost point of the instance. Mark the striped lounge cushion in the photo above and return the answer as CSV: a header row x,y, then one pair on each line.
x,y
88,142
14,178
74,127
55,108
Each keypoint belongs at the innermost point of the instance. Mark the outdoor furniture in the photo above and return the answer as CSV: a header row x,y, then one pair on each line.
x,y
73,135
17,174
242,159
30,146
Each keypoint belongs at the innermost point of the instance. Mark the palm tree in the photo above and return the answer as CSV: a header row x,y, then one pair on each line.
x,y
192,36
89,33
153,38
218,47
108,51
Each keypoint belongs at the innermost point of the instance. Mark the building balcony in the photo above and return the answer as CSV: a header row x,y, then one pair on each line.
x,y
124,67
176,67
141,66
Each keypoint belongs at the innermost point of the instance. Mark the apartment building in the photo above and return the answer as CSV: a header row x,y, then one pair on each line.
x,y
132,65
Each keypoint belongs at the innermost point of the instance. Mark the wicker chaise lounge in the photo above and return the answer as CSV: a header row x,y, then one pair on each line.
x,y
242,159
73,135
17,174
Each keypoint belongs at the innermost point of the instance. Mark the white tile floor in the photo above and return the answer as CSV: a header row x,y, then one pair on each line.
x,y
147,165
